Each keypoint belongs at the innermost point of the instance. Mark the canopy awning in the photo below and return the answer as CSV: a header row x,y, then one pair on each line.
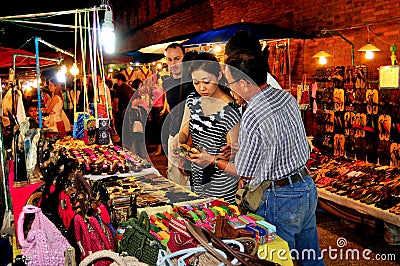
x,y
23,58
159,48
262,31
139,57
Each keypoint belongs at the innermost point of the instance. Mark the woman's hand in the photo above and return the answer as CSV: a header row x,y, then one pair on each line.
x,y
203,158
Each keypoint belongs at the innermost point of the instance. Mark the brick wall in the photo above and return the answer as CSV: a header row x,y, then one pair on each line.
x,y
153,21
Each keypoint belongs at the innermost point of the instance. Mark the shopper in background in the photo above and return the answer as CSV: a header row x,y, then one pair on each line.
x,y
135,119
33,115
273,147
68,100
123,94
176,95
158,113
212,121
104,93
55,110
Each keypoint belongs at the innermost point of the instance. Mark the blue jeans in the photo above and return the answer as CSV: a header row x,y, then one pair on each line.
x,y
292,210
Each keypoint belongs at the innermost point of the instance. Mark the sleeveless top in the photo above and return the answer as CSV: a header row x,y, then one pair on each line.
x,y
57,109
210,131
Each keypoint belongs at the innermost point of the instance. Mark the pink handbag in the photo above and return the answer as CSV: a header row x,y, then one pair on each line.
x,y
44,244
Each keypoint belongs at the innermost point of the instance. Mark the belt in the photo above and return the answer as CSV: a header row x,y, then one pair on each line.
x,y
295,178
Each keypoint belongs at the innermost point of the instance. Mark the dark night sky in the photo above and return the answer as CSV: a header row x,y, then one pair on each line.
x,y
17,34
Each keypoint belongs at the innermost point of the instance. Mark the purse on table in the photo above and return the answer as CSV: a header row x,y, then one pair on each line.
x,y
138,242
117,258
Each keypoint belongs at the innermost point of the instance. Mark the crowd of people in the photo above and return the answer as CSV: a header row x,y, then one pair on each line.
x,y
111,97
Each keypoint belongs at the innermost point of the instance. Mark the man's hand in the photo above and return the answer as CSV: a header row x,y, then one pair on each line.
x,y
229,150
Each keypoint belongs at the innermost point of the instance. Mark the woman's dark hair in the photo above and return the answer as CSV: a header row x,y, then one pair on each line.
x,y
57,84
209,63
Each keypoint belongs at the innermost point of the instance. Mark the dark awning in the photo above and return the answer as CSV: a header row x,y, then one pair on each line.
x,y
262,31
140,57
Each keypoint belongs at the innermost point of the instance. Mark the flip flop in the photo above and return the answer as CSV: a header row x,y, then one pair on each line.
x,y
375,100
336,99
342,145
387,124
341,102
393,150
381,127
357,126
369,100
363,122
336,145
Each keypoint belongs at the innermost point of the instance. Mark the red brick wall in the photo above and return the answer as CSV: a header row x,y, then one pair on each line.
x,y
156,20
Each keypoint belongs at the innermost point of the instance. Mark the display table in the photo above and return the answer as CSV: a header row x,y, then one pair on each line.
x,y
277,250
360,207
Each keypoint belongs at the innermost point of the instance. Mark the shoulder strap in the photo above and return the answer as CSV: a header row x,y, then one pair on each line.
x,y
202,239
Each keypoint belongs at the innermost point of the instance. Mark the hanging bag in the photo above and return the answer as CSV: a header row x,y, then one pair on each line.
x,y
138,242
43,244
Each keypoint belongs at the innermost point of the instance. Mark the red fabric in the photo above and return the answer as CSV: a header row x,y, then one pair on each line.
x,y
105,216
19,195
68,213
6,58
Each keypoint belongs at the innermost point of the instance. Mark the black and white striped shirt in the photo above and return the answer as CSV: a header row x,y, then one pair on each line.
x,y
210,132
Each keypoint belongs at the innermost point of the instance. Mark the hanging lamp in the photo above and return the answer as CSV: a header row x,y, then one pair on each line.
x,y
322,55
369,48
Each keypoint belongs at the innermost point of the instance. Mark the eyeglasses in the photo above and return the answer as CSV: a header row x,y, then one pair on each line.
x,y
233,82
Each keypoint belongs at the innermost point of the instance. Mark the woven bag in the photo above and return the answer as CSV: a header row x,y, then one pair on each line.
x,y
117,258
138,242
44,243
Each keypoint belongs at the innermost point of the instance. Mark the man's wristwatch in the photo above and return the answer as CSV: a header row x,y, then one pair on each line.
x,y
216,162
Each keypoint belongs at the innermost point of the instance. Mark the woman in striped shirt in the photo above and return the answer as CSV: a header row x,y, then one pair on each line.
x,y
212,121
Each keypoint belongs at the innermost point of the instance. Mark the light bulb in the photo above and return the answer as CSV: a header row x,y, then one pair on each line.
x,y
61,77
63,69
369,54
107,35
74,70
322,60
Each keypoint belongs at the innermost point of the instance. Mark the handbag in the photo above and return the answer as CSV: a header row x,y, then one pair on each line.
x,y
249,200
137,126
243,258
43,244
180,238
79,124
197,256
117,258
138,242
90,131
102,131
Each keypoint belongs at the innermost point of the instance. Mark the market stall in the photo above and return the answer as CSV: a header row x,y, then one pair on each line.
x,y
357,129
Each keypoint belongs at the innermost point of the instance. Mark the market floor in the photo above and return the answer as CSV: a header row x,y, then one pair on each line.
x,y
343,243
